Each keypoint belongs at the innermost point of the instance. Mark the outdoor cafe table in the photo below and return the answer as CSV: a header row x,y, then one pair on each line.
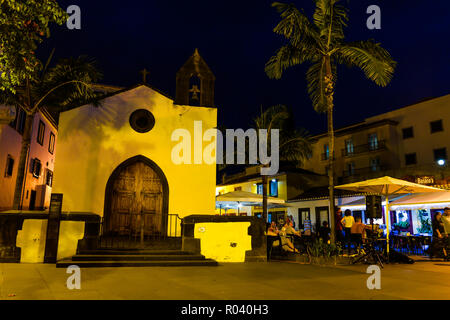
x,y
410,243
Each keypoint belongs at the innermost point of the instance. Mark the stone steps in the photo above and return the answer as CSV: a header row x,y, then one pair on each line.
x,y
140,257
102,258
109,264
132,252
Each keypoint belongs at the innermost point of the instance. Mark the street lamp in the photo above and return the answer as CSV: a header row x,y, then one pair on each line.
x,y
442,164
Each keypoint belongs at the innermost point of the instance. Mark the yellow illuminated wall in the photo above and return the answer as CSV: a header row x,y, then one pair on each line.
x,y
69,234
225,241
31,239
93,141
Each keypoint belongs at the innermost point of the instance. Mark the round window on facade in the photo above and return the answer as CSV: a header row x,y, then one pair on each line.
x,y
142,120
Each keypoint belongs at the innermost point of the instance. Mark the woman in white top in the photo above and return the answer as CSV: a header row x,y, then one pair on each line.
x,y
348,221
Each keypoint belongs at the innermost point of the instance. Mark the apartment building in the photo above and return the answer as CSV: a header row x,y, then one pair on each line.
x,y
40,161
411,143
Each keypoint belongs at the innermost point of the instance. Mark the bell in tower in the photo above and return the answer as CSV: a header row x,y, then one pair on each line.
x,y
195,83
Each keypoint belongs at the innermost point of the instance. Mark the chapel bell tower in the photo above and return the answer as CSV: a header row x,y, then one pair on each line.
x,y
195,83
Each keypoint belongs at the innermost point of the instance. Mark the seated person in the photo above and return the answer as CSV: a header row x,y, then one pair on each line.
x,y
286,243
289,229
324,232
272,231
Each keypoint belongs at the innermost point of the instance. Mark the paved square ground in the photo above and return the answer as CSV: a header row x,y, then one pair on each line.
x,y
274,280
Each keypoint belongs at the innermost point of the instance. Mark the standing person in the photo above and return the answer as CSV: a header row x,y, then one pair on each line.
x,y
348,221
324,232
438,242
446,221
338,227
357,231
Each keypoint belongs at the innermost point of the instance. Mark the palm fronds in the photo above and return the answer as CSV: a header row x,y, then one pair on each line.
x,y
321,41
294,144
331,19
375,61
295,26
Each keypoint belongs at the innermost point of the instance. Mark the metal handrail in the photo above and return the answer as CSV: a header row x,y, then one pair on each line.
x,y
361,171
172,230
363,148
176,217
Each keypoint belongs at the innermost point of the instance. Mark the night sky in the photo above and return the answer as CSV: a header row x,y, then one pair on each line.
x,y
235,38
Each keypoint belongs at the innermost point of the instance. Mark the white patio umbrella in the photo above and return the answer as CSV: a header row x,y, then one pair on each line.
x,y
387,186
245,198
423,200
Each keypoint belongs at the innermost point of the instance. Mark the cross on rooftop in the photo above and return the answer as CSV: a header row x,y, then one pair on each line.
x,y
144,73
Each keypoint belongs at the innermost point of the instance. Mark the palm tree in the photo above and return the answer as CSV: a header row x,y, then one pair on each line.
x,y
294,146
66,85
321,44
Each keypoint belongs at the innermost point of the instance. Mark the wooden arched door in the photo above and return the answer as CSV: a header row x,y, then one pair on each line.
x,y
136,199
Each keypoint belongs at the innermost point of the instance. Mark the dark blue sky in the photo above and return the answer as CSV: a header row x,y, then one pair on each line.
x,y
236,40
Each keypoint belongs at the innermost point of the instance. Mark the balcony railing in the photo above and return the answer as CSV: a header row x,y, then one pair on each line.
x,y
363,148
363,171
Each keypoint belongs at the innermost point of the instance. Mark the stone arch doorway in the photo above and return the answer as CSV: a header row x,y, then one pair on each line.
x,y
136,200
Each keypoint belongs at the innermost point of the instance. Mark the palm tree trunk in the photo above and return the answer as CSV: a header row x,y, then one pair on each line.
x,y
21,171
329,81
331,174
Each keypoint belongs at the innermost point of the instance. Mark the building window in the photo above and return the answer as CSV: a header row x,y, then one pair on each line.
x,y
36,168
436,126
326,151
9,166
19,122
51,143
259,188
440,154
349,147
41,133
237,188
373,141
351,168
49,178
274,188
142,120
410,159
408,133
375,164
304,215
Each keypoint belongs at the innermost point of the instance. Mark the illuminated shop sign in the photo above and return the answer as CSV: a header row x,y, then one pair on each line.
x,y
425,180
